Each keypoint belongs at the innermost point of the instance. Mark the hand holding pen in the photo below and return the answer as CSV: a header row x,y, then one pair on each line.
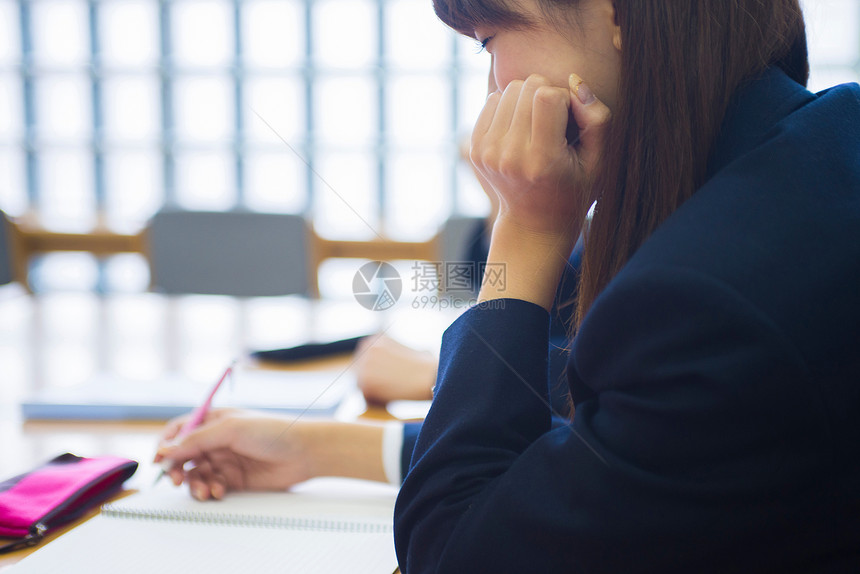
x,y
241,450
198,415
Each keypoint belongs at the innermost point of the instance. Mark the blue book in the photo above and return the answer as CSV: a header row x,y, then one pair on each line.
x,y
114,398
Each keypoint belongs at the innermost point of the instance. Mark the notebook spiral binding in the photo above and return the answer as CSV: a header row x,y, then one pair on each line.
x,y
288,523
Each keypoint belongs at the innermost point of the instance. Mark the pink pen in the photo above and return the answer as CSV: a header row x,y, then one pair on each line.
x,y
197,416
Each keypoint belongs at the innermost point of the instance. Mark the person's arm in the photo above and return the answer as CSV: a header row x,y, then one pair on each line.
x,y
386,370
543,183
696,400
244,450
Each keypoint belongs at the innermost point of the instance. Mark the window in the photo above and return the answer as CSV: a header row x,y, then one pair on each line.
x,y
833,29
348,111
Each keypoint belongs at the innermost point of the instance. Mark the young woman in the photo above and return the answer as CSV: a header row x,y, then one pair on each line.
x,y
714,369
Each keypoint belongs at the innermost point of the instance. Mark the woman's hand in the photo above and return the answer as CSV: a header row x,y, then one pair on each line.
x,y
544,183
244,450
386,370
520,146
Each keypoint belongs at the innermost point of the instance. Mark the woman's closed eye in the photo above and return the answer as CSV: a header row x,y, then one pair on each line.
x,y
482,44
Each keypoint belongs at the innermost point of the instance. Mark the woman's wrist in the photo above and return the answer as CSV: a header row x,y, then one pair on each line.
x,y
428,371
532,263
352,450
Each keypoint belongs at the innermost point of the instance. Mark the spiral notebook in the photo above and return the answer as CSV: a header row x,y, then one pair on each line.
x,y
324,526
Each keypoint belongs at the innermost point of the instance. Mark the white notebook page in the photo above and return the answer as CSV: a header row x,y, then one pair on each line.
x,y
111,543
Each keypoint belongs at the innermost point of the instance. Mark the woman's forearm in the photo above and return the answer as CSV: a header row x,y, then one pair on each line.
x,y
527,266
352,450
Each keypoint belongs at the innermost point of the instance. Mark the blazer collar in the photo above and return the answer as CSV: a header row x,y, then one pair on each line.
x,y
756,108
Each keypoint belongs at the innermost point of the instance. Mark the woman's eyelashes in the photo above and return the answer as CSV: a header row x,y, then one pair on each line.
x,y
482,44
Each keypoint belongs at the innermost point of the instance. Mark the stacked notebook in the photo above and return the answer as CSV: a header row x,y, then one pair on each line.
x,y
112,398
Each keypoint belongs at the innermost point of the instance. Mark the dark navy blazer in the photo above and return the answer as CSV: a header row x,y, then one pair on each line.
x,y
559,339
716,382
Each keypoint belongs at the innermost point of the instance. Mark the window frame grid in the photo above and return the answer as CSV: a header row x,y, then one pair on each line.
x,y
308,147
168,72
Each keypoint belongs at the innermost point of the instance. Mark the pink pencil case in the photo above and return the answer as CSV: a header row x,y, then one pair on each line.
x,y
55,493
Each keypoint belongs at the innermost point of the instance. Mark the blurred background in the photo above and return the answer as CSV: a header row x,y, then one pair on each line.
x,y
347,112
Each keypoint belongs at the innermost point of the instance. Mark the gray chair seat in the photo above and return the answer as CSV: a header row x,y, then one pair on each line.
x,y
238,253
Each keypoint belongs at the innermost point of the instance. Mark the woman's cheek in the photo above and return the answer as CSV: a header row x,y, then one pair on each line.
x,y
502,73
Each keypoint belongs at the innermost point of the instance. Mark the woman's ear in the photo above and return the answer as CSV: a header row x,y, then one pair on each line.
x,y
616,33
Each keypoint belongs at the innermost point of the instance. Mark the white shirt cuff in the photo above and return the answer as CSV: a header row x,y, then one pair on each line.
x,y
392,451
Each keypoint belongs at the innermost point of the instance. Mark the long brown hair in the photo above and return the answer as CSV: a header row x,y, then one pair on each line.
x,y
681,63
